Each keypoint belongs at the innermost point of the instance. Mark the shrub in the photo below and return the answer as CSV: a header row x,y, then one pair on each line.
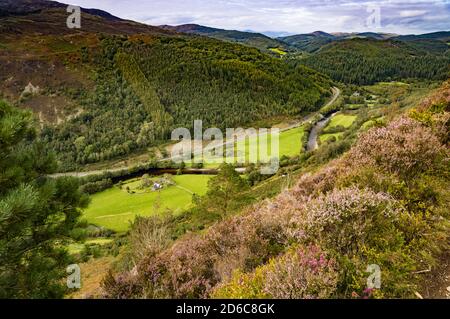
x,y
304,272
345,220
405,147
148,236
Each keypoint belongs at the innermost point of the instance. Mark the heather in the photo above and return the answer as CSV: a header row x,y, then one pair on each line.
x,y
384,202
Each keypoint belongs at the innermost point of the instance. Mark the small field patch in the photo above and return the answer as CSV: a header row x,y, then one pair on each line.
x,y
343,120
116,207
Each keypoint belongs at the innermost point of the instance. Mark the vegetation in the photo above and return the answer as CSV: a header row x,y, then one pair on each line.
x,y
36,212
257,40
384,202
146,87
116,207
366,61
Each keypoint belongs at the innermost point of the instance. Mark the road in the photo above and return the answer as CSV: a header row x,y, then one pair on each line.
x,y
336,92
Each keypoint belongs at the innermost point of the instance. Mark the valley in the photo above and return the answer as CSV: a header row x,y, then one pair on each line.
x,y
87,175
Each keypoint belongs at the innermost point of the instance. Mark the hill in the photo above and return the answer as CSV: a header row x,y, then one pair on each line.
x,y
443,36
114,87
251,39
366,61
311,42
381,205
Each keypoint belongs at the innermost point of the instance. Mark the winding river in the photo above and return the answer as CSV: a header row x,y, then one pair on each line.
x,y
312,139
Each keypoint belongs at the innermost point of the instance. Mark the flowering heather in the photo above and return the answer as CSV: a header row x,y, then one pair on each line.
x,y
307,273
311,185
405,147
346,219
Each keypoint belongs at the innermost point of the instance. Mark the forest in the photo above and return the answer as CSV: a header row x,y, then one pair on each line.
x,y
366,61
147,86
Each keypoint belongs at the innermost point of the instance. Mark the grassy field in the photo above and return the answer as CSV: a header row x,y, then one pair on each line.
x,y
290,144
343,120
325,137
278,51
115,208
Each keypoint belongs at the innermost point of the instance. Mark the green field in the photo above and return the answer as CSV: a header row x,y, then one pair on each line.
x,y
115,208
278,51
290,144
343,120
325,137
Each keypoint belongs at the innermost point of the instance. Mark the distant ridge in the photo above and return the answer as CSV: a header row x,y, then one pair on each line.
x,y
440,36
253,39
23,7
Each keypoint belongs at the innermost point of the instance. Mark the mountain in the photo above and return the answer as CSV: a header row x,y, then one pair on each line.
x,y
49,18
309,42
312,42
366,61
374,35
443,36
24,7
115,87
252,39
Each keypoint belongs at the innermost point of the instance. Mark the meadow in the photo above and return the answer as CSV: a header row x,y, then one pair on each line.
x,y
116,207
343,120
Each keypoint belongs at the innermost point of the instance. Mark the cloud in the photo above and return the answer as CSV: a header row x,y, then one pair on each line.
x,y
291,16
412,13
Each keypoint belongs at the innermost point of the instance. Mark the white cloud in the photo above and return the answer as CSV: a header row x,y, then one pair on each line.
x,y
412,13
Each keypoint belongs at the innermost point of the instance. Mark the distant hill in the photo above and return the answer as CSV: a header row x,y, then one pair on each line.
x,y
443,36
23,7
49,18
312,42
309,42
366,61
257,40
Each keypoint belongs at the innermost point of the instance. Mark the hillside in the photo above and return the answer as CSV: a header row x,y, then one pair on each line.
x,y
443,36
251,39
311,42
366,61
382,205
115,87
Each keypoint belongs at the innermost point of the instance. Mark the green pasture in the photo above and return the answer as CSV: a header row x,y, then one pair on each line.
x,y
116,207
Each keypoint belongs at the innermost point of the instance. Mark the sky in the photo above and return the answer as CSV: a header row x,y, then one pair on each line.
x,y
283,17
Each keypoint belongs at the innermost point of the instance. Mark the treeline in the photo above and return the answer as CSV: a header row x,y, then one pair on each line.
x,y
145,88
364,61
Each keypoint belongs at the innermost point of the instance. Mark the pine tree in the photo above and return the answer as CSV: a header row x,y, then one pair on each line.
x,y
36,212
226,192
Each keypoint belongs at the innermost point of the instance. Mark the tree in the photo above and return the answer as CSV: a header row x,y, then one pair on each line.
x,y
36,212
226,192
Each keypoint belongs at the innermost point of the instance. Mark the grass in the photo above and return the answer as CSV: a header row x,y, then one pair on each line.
x,y
353,106
343,120
99,241
115,208
92,274
325,137
77,247
278,51
290,144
